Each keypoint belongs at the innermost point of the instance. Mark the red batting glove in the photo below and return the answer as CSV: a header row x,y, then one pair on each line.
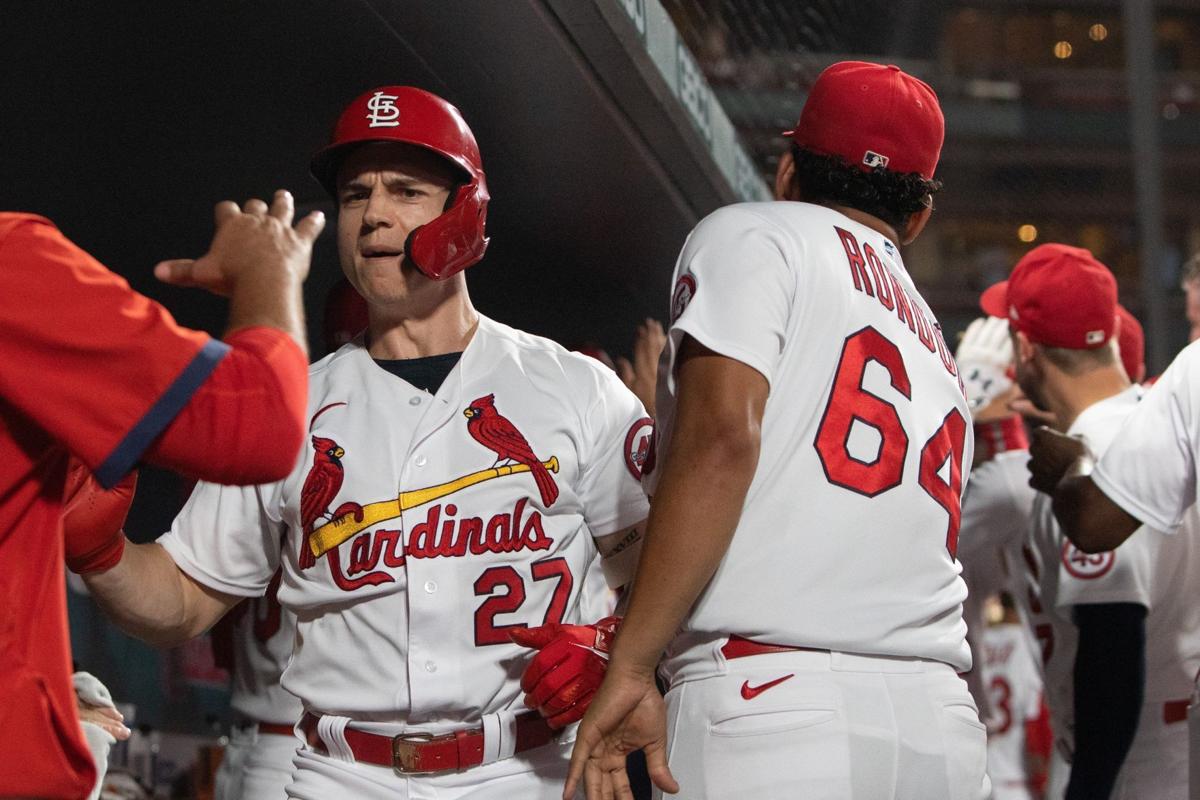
x,y
563,677
92,519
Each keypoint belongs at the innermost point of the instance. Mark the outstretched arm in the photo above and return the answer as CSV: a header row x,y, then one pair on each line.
x,y
148,596
707,472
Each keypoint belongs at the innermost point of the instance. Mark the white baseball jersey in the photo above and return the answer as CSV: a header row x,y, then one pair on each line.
x,y
997,508
1147,569
1150,469
847,536
1014,685
456,518
262,638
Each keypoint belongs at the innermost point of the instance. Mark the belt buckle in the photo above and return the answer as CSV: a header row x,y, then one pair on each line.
x,y
404,753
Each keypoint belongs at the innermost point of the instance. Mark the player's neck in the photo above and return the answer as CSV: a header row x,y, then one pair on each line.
x,y
1071,395
872,222
443,327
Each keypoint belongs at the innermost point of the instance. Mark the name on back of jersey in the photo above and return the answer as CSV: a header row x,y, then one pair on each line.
x,y
871,277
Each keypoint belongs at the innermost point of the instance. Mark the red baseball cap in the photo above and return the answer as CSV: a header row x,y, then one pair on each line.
x,y
1058,296
872,115
1132,342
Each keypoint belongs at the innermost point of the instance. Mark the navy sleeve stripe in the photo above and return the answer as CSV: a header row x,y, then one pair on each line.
x,y
166,408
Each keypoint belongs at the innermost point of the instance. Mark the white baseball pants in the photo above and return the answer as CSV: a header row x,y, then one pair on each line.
x,y
255,766
838,727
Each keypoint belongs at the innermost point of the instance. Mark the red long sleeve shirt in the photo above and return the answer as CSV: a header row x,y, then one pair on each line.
x,y
90,367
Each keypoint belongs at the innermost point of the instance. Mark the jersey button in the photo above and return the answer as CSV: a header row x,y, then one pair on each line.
x,y
430,666
430,587
414,401
420,461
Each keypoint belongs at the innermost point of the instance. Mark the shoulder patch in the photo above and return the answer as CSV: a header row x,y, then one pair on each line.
x,y
685,290
1087,566
639,448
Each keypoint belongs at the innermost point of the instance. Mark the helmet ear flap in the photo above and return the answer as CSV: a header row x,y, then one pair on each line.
x,y
455,239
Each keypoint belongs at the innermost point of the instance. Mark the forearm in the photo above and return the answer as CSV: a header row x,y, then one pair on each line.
x,y
1109,687
692,521
271,298
1087,516
149,597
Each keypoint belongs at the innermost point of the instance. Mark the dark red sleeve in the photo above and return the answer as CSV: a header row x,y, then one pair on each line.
x,y
99,367
248,414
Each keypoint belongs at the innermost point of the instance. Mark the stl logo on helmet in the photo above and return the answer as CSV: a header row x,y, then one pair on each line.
x,y
1087,566
382,111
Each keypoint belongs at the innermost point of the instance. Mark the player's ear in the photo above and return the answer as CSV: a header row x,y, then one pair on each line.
x,y
1023,349
785,178
916,223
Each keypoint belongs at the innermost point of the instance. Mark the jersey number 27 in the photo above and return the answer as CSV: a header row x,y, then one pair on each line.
x,y
849,401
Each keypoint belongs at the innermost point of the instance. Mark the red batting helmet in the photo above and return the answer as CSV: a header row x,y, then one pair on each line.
x,y
455,240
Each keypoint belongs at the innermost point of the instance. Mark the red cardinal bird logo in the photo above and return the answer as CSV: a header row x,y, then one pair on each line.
x,y
496,433
323,483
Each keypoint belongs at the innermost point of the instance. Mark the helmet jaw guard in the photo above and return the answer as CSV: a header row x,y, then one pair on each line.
x,y
456,239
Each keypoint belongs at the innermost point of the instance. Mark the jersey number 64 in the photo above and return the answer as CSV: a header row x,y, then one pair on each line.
x,y
849,401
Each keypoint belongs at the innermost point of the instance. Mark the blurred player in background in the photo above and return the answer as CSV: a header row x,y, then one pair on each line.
x,y
1019,738
1118,648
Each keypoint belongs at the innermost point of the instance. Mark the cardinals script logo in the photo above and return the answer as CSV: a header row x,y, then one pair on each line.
x,y
496,433
520,528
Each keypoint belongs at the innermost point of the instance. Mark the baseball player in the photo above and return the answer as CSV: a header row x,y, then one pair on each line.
x,y
799,567
1118,647
96,371
1147,475
1016,754
460,478
254,642
996,502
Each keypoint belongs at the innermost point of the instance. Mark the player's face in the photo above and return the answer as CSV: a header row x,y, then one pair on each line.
x,y
385,191
1028,375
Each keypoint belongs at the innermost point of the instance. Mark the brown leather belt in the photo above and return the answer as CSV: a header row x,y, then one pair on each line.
x,y
737,647
422,753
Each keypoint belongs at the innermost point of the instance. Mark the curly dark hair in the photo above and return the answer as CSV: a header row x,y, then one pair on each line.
x,y
891,196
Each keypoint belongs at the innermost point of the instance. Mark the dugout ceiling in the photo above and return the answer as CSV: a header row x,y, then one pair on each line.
x,y
125,122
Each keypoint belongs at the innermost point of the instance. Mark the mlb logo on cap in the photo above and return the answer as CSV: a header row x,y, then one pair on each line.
x,y
873,159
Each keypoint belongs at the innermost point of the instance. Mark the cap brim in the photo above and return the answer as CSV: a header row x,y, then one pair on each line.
x,y
994,300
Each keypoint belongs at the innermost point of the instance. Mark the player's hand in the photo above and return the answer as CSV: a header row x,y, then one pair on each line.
x,y
96,706
568,668
641,374
252,240
93,518
1051,454
984,357
627,714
